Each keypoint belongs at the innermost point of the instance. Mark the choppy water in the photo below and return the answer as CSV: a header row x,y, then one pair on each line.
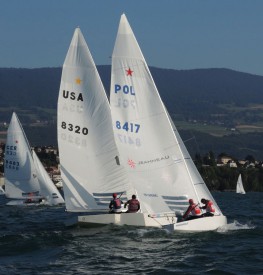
x,y
36,241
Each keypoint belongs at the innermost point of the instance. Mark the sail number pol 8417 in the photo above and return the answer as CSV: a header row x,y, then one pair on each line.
x,y
129,127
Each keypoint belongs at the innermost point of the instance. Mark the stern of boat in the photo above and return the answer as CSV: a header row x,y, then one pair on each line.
x,y
201,224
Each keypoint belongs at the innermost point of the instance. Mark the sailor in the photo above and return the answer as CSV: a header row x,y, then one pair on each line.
x,y
209,207
28,200
115,204
133,205
193,211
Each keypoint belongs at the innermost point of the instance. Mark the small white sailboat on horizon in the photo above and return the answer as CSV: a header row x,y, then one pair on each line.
x,y
26,180
240,188
151,149
2,196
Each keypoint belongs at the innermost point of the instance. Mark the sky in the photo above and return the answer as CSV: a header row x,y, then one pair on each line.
x,y
172,34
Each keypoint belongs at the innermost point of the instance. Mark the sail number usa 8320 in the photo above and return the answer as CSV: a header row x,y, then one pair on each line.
x,y
74,128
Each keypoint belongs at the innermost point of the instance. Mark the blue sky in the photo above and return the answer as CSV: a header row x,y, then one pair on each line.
x,y
185,34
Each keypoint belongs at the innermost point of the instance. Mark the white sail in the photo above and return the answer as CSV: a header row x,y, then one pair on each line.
x,y
150,147
89,161
25,176
47,188
240,188
20,174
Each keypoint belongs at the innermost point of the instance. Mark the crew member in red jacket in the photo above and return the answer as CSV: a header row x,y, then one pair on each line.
x,y
133,205
209,207
193,211
115,204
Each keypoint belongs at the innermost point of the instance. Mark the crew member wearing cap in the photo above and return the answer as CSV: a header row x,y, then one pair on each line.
x,y
192,212
115,204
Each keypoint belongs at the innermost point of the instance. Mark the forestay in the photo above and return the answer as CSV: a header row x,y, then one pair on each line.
x,y
151,149
90,167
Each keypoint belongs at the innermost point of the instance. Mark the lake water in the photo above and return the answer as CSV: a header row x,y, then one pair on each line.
x,y
36,241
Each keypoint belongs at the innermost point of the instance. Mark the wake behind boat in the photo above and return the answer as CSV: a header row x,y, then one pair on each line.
x,y
26,180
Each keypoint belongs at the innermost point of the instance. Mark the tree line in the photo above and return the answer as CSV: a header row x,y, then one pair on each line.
x,y
224,178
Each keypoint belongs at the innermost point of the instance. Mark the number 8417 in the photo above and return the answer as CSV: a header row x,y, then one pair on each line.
x,y
129,127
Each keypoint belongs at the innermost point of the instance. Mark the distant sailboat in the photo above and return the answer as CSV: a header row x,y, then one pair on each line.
x,y
26,180
240,188
150,147
2,196
2,192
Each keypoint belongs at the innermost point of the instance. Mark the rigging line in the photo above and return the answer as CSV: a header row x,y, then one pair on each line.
x,y
189,139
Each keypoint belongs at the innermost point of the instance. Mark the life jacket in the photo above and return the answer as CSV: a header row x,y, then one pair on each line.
x,y
133,205
117,203
210,207
195,211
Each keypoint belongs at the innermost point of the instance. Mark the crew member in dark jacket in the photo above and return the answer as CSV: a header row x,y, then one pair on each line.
x,y
133,205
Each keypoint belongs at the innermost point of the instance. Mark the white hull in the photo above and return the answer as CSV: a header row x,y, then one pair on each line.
x,y
145,220
133,219
201,224
23,203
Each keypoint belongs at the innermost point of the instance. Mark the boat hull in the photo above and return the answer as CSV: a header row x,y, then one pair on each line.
x,y
23,203
133,219
145,220
201,224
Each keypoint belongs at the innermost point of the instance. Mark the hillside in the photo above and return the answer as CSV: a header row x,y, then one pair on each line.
x,y
222,107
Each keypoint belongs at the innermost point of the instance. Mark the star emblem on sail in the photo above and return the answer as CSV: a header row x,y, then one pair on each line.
x,y
78,81
129,72
131,163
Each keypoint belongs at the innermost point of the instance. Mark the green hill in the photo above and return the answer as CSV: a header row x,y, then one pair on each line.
x,y
215,109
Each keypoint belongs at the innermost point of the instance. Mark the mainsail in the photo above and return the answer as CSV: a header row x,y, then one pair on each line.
x,y
90,167
150,147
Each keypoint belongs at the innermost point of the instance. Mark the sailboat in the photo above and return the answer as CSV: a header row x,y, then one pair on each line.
x,y
240,188
2,196
151,149
2,191
26,180
90,168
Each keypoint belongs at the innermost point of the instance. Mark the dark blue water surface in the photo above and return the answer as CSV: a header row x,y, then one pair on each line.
x,y
34,240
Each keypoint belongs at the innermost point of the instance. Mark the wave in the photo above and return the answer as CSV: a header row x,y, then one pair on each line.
x,y
235,225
